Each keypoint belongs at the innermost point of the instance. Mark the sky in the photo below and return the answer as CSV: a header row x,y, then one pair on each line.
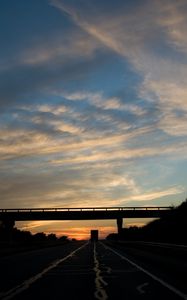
x,y
93,106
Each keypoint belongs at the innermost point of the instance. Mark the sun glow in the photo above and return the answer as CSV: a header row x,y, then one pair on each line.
x,y
79,230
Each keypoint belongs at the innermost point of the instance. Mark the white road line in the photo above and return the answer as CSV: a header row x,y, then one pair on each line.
x,y
162,282
100,292
163,245
141,287
26,284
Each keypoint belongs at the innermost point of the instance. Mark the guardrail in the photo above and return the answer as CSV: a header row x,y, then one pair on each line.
x,y
84,209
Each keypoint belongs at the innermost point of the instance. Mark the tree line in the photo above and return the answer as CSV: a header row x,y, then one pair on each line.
x,y
168,229
15,235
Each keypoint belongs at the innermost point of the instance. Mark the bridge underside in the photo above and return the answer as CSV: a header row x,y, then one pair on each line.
x,y
82,215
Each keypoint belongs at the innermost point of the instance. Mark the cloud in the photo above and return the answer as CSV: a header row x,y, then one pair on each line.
x,y
16,84
171,95
124,154
171,98
98,100
115,33
69,133
68,136
172,18
40,66
174,124
157,194
72,45
135,36
63,187
85,149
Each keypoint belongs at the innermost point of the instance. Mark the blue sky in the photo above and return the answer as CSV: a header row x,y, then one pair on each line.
x,y
93,104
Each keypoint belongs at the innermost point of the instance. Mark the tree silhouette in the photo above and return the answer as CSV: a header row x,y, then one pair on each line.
x,y
171,228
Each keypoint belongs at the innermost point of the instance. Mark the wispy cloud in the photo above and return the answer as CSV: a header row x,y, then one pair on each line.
x,y
157,194
172,18
75,44
164,77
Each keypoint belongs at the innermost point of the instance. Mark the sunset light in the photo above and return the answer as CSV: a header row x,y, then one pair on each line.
x,y
93,107
93,149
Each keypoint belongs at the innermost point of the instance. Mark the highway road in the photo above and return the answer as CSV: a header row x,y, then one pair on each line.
x,y
100,270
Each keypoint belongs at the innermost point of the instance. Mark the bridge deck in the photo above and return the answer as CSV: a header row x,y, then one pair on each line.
x,y
84,213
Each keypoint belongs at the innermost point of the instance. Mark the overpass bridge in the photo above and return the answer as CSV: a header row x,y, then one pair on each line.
x,y
9,216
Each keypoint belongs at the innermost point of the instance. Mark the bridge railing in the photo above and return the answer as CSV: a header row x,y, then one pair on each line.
x,y
62,209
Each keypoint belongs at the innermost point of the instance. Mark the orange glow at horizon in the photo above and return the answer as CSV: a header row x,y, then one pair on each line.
x,y
79,230
80,233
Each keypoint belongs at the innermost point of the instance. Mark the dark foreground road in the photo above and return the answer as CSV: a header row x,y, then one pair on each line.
x,y
93,271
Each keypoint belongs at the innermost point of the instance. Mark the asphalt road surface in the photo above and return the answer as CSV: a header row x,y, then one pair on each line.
x,y
87,270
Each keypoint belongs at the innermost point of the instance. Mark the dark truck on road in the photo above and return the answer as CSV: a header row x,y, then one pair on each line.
x,y
94,235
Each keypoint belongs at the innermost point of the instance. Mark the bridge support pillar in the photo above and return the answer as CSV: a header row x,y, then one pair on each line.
x,y
7,224
119,225
7,230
